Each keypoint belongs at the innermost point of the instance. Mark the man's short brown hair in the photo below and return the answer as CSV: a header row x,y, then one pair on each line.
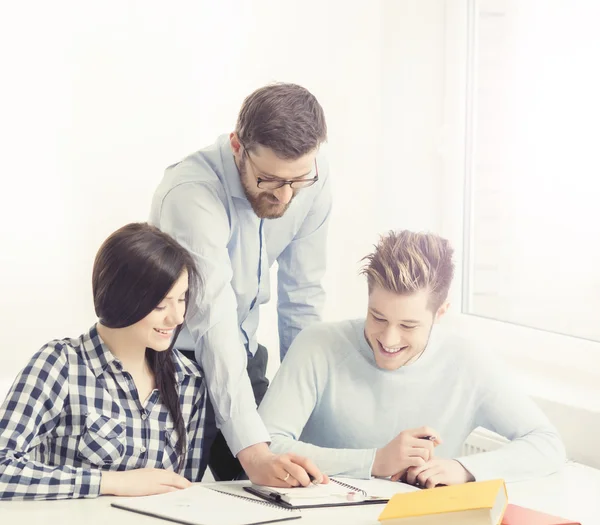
x,y
405,262
285,118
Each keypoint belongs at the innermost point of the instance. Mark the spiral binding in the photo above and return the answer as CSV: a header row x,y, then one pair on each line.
x,y
345,485
259,501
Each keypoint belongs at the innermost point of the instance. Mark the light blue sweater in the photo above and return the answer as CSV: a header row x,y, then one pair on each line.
x,y
330,402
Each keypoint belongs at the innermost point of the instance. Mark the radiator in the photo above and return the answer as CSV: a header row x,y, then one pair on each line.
x,y
482,440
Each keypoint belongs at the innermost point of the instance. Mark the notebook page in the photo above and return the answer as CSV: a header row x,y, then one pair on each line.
x,y
310,492
379,487
373,487
201,506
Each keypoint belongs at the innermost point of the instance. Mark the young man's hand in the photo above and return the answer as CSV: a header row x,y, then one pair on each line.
x,y
438,472
285,470
141,482
410,448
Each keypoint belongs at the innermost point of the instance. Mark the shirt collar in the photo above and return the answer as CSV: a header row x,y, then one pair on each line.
x,y
231,173
99,357
96,352
184,367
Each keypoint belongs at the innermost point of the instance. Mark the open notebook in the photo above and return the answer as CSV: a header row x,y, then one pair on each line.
x,y
338,492
198,505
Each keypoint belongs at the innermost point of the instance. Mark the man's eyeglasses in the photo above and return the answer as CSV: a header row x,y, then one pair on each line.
x,y
275,184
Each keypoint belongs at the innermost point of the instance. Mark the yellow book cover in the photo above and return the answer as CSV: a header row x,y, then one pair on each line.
x,y
481,498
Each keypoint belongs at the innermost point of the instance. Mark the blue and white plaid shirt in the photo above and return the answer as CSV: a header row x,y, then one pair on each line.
x,y
73,412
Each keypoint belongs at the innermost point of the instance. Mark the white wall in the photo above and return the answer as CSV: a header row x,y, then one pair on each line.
x,y
97,100
385,143
413,96
111,96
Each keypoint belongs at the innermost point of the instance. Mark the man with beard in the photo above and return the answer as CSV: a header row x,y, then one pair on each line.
x,y
258,195
396,394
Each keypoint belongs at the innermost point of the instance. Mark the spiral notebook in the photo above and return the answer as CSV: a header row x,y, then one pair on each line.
x,y
198,505
336,493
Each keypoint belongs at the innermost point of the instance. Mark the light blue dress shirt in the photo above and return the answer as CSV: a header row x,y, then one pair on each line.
x,y
202,204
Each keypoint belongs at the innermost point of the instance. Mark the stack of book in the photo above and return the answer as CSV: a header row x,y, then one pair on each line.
x,y
477,503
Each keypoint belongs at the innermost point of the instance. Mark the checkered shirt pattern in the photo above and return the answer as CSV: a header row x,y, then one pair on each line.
x,y
74,412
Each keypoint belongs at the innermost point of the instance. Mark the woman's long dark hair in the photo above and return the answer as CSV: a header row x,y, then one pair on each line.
x,y
134,270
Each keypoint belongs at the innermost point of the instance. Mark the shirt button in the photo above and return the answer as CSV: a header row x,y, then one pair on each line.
x,y
143,449
144,416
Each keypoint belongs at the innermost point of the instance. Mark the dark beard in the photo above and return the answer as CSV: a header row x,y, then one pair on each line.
x,y
263,206
262,203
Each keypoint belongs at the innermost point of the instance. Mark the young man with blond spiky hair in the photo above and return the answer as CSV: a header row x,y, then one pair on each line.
x,y
396,394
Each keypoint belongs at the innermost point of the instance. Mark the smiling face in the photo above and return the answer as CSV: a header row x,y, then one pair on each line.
x,y
397,327
156,329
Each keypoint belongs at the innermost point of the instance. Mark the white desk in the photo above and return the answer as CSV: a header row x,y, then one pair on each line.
x,y
574,494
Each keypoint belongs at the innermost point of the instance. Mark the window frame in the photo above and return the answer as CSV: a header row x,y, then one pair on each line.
x,y
552,365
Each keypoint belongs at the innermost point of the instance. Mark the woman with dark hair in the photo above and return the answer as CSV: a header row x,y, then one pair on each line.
x,y
117,410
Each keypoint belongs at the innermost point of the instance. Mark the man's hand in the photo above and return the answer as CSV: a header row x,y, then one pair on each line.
x,y
410,448
286,470
438,472
141,482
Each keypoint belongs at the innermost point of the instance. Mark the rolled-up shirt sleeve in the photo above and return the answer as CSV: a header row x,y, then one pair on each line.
x,y
194,215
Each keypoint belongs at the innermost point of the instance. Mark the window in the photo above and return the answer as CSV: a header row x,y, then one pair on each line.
x,y
532,195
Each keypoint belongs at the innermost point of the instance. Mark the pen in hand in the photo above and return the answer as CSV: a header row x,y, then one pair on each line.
x,y
401,476
435,444
313,480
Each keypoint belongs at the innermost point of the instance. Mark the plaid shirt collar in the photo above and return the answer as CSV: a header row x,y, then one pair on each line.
x,y
99,357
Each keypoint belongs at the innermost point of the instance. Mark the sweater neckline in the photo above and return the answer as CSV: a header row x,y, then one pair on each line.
x,y
367,353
